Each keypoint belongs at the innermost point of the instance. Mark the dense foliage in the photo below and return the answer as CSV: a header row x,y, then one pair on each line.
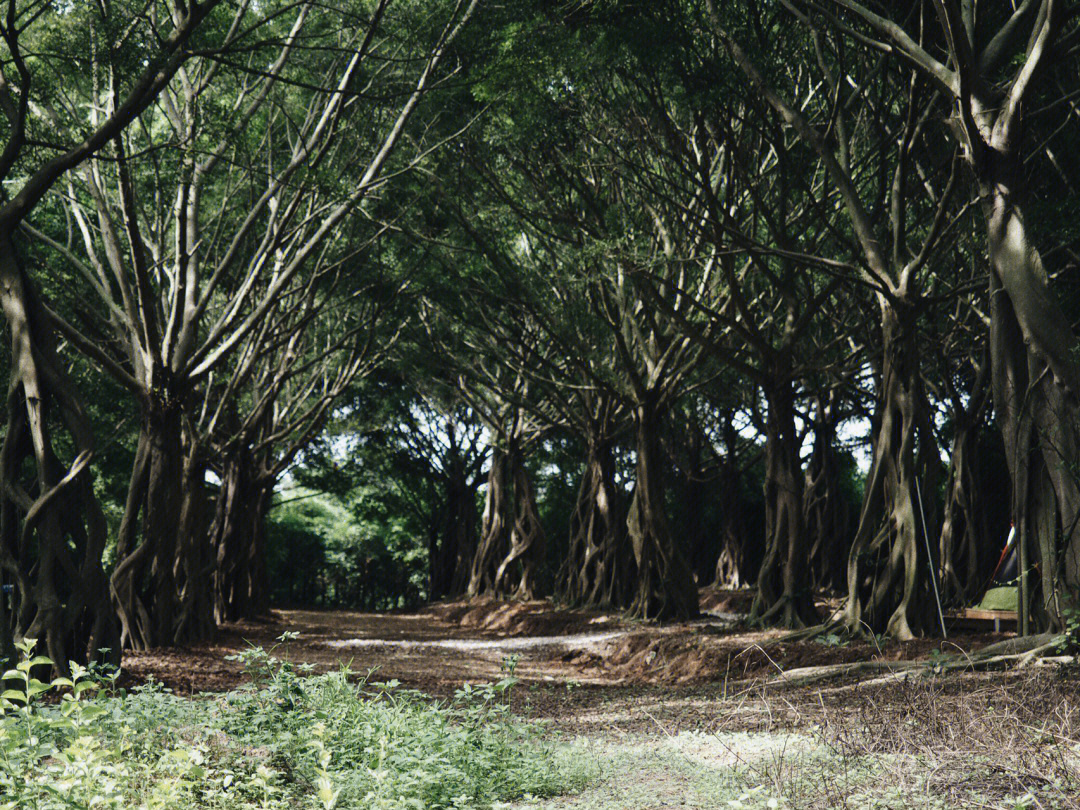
x,y
370,302
289,740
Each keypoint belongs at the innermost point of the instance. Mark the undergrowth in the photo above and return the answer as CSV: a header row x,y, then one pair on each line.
x,y
288,740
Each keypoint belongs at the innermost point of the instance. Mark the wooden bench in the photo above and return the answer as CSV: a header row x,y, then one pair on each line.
x,y
1000,621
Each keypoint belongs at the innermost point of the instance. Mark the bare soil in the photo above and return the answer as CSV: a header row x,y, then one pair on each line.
x,y
574,654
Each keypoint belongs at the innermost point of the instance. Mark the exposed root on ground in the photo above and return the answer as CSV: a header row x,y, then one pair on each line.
x,y
1019,652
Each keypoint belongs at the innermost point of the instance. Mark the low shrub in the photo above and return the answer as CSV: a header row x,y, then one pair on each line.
x,y
288,740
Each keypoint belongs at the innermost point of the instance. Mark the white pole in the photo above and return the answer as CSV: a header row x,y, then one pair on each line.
x,y
930,560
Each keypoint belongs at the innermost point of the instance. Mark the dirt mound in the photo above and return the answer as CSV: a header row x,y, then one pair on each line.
x,y
725,600
699,655
535,618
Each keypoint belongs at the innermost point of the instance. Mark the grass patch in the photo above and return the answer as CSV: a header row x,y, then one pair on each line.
x,y
999,742
289,740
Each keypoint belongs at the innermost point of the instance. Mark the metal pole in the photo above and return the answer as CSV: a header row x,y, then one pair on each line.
x,y
930,560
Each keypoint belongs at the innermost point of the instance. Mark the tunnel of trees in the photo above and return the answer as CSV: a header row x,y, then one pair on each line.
x,y
365,303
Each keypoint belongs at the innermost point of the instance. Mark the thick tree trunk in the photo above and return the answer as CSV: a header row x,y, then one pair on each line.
x,y
959,544
665,586
494,528
196,561
689,450
52,530
825,513
731,569
145,587
519,573
598,569
1035,384
454,536
511,549
241,587
888,588
783,587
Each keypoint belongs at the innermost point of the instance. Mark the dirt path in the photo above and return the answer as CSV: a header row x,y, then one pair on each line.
x,y
439,648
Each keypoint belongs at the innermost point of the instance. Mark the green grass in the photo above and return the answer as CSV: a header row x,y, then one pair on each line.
x,y
290,740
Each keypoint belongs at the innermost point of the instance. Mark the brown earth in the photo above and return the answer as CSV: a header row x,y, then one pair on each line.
x,y
444,645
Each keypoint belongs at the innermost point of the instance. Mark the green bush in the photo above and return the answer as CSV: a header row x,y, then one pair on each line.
x,y
289,740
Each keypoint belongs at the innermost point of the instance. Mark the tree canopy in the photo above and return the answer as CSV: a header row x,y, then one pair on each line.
x,y
371,302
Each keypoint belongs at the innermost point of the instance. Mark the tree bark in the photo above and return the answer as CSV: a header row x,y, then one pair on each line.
x,y
598,569
962,531
494,529
783,595
888,589
241,586
195,562
145,587
1035,399
825,513
966,543
454,537
689,450
511,549
665,587
52,530
732,566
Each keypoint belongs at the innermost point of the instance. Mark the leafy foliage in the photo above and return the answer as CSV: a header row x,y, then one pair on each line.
x,y
289,740
353,550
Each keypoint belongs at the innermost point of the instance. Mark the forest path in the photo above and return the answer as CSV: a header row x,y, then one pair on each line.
x,y
440,647
435,649
686,715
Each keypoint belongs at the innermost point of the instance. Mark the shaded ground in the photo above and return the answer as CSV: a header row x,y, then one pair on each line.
x,y
436,649
440,647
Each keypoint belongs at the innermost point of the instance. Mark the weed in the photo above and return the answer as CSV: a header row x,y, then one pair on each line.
x,y
833,640
287,740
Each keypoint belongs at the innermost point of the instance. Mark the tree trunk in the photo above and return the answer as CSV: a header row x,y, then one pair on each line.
x,y
454,536
888,588
959,544
825,512
144,582
511,548
966,542
665,586
494,528
196,561
241,587
519,573
689,450
598,569
1035,380
52,529
732,568
783,587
